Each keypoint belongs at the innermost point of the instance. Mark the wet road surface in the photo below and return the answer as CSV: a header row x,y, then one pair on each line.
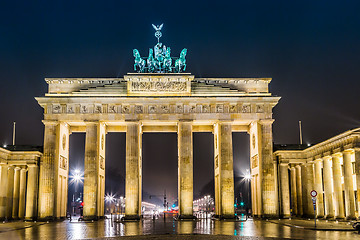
x,y
171,229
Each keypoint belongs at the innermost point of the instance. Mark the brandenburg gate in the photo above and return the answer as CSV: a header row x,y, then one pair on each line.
x,y
153,100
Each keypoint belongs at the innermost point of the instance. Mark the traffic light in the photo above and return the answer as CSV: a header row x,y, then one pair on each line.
x,y
235,205
242,204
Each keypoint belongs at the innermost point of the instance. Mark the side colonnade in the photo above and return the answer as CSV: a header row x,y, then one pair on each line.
x,y
333,173
18,183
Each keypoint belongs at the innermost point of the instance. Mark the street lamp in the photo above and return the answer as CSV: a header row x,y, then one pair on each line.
x,y
76,177
109,198
248,179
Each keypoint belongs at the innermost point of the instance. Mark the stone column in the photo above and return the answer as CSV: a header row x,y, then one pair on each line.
x,y
304,190
10,192
3,190
185,170
338,191
309,187
101,169
293,190
31,192
348,184
300,211
91,171
268,178
357,172
224,170
22,193
328,187
47,172
15,208
132,180
285,191
318,185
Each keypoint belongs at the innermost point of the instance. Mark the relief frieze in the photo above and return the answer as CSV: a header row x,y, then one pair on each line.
x,y
154,109
63,162
168,86
97,109
138,109
84,109
111,109
102,162
70,109
246,109
56,108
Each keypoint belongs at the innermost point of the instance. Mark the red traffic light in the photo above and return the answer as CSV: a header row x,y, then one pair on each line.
x,y
82,203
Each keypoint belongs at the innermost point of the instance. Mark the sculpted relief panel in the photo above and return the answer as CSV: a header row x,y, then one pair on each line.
x,y
63,162
150,86
155,108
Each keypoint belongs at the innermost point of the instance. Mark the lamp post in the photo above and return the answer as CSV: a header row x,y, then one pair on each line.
x,y
248,179
76,178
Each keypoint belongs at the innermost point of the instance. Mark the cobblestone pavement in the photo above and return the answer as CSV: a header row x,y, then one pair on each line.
x,y
169,229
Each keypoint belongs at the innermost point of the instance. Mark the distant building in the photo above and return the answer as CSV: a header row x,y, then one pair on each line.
x,y
331,168
19,176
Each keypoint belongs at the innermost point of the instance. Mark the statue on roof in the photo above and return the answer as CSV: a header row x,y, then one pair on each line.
x,y
159,59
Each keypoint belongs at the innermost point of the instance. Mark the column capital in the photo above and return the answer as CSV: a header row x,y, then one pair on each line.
x,y
318,160
349,151
185,120
328,157
32,165
284,164
310,162
338,154
89,122
266,121
50,122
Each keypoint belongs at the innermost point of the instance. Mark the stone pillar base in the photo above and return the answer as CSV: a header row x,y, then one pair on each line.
x,y
270,216
286,216
131,218
224,217
45,219
29,219
186,217
90,218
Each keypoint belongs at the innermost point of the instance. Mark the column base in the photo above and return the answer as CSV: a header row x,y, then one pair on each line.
x,y
225,217
46,219
270,216
90,218
350,218
186,217
286,216
131,218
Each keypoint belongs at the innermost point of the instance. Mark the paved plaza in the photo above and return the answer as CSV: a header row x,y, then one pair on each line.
x,y
171,229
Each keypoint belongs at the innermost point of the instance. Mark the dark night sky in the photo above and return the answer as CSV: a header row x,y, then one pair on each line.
x,y
310,48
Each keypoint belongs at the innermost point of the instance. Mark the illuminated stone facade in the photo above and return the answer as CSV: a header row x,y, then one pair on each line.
x,y
141,103
332,168
19,182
